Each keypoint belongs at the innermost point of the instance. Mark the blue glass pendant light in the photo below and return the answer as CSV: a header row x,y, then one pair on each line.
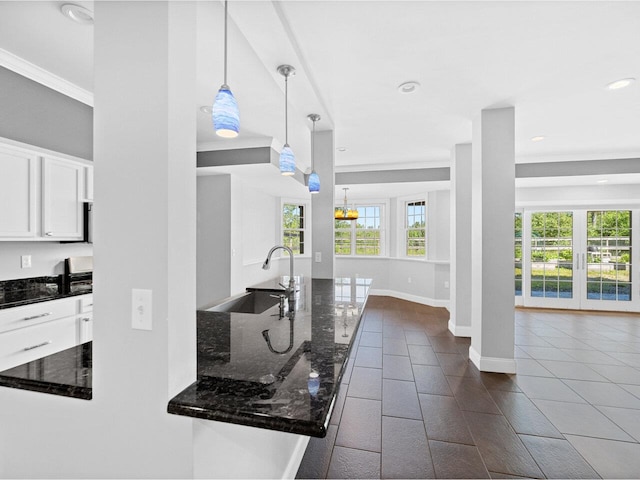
x,y
314,178
225,114
287,158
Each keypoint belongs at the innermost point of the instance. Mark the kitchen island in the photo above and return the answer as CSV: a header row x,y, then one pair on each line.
x,y
280,374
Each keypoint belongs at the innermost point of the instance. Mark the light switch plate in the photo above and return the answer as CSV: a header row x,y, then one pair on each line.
x,y
141,301
25,261
318,257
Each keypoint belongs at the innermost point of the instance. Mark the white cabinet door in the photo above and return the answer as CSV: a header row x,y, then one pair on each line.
x,y
17,194
62,189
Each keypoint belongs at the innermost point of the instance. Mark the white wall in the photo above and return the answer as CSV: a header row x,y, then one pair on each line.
x,y
145,231
47,258
237,226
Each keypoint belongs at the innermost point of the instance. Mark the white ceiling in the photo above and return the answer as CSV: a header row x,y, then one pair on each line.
x,y
550,60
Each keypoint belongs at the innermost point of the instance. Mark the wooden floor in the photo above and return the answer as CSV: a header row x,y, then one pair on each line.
x,y
412,405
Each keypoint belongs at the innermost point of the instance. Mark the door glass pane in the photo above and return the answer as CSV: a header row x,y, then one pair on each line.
x,y
552,254
609,255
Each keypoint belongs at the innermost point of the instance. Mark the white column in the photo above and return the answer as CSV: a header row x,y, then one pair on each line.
x,y
145,234
461,241
493,204
322,205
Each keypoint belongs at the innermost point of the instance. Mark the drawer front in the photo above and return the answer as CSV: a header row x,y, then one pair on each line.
x,y
86,303
28,344
29,315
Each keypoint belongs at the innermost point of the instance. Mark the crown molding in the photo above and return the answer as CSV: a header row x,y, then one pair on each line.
x,y
37,74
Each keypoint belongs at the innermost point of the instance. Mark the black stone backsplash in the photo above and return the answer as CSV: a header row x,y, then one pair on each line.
x,y
28,290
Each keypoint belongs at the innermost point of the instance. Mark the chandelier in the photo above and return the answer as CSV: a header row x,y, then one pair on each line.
x,y
345,213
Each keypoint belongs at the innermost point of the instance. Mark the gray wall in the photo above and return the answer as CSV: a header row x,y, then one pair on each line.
x,y
213,239
37,115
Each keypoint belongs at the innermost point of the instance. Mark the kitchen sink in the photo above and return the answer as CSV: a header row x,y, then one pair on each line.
x,y
256,301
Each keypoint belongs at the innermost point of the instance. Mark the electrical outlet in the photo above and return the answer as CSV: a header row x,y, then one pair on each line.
x,y
25,261
318,257
446,284
141,309
409,280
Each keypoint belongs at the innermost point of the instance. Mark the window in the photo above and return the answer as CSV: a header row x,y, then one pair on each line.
x,y
293,226
362,236
415,231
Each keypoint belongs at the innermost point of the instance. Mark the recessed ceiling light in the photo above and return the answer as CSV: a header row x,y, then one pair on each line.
x,y
538,138
342,149
208,109
622,83
77,13
604,180
408,87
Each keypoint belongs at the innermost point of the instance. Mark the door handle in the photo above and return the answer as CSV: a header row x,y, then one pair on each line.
x,y
583,261
577,261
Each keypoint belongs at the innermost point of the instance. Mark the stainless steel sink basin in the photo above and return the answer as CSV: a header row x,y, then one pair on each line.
x,y
256,301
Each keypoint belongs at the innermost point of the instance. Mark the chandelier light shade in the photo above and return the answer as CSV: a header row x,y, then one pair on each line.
x,y
346,213
314,178
287,158
225,113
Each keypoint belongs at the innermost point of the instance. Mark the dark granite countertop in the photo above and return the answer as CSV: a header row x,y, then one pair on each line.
x,y
276,373
66,373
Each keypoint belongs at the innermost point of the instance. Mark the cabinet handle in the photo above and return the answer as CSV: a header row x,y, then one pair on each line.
x,y
38,316
85,319
90,305
49,234
26,349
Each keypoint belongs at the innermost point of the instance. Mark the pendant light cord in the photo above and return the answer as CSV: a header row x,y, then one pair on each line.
x,y
286,110
225,41
313,149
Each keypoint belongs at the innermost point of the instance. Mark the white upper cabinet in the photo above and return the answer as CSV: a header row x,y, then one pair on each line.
x,y
62,191
17,194
42,193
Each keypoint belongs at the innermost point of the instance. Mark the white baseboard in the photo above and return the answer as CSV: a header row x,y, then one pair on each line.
x,y
432,302
459,330
296,458
492,364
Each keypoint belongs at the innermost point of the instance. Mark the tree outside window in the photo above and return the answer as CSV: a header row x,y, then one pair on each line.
x,y
293,226
415,234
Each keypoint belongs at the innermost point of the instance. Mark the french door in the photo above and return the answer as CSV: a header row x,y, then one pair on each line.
x,y
580,259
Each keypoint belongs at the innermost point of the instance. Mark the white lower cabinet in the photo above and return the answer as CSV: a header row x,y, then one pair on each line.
x,y
28,344
40,329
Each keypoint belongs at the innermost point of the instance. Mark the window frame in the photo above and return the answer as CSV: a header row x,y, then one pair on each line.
x,y
305,230
406,229
383,204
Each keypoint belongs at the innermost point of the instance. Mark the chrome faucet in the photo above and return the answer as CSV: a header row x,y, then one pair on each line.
x,y
291,289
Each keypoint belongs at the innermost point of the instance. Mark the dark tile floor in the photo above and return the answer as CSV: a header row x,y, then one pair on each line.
x,y
413,406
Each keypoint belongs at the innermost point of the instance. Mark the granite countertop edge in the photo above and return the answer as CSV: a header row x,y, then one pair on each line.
x,y
283,424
